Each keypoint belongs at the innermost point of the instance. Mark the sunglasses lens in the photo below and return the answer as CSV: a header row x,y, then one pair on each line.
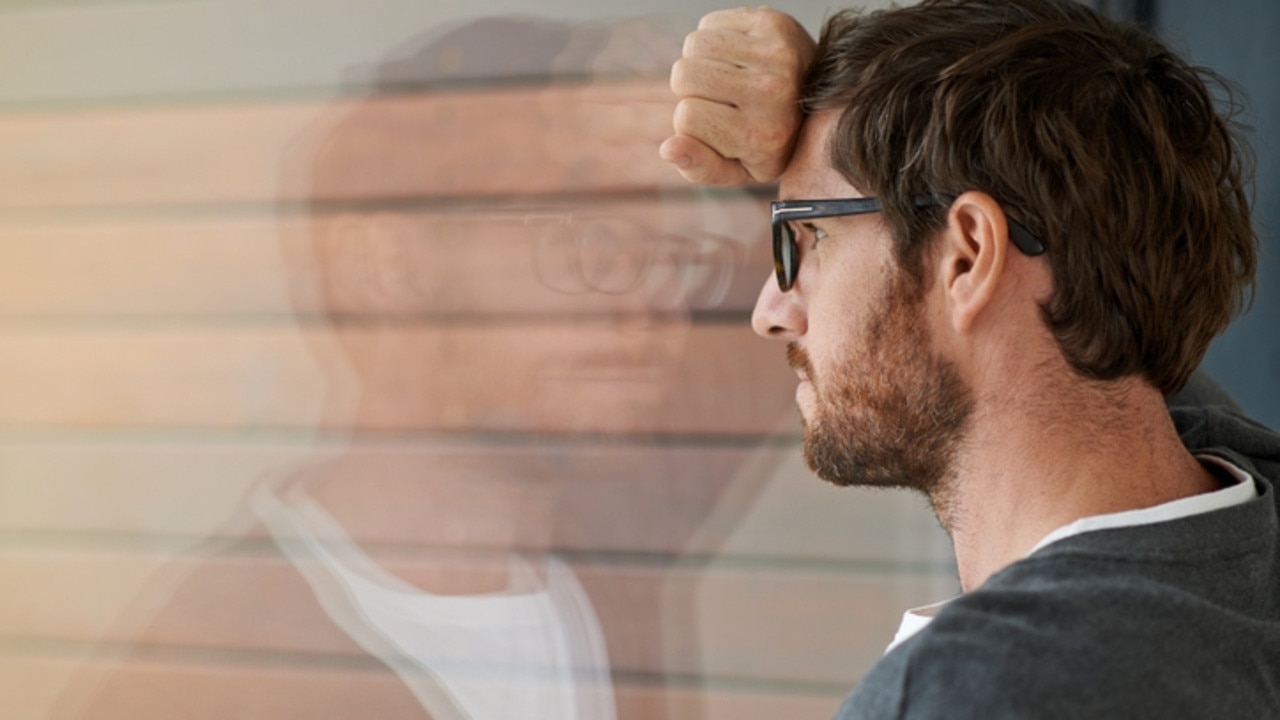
x,y
784,255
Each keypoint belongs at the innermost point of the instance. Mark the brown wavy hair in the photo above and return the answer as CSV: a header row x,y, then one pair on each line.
x,y
1103,142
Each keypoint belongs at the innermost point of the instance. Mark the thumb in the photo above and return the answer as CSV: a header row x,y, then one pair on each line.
x,y
698,163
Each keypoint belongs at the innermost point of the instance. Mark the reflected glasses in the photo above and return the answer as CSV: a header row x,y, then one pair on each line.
x,y
786,253
394,260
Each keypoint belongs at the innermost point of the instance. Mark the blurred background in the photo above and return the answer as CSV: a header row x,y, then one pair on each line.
x,y
362,359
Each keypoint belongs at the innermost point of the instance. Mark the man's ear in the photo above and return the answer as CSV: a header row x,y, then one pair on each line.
x,y
972,256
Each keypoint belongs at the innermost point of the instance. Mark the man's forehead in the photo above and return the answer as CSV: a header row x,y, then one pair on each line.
x,y
810,175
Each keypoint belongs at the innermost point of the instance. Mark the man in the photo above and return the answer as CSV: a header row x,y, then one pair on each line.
x,y
1007,230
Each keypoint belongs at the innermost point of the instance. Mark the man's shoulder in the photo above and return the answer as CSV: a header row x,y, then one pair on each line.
x,y
997,653
1047,641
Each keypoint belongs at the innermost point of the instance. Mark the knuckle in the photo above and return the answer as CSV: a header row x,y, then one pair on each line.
x,y
680,77
715,18
770,19
782,41
683,116
698,43
773,24
691,44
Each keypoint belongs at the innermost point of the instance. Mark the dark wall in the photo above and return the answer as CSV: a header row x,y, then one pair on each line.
x,y
1237,39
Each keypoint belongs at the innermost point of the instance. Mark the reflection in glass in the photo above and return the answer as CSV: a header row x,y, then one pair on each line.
x,y
531,650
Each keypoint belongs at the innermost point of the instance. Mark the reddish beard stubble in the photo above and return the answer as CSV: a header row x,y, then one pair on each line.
x,y
892,413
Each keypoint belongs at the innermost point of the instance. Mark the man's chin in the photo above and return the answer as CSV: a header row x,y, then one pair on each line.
x,y
855,467
821,463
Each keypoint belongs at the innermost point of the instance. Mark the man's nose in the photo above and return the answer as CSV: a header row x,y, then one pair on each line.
x,y
778,315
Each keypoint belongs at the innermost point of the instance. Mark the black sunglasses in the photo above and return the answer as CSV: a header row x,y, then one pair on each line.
x,y
786,254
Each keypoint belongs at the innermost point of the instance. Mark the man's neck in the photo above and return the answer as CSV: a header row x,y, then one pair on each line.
x,y
1028,469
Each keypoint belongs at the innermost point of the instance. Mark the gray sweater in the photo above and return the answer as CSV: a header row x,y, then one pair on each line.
x,y
1180,619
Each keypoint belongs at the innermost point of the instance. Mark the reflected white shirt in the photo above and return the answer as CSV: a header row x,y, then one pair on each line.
x,y
532,652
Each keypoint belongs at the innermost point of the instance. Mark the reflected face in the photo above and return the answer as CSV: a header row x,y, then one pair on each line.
x,y
519,319
554,291
514,319
881,406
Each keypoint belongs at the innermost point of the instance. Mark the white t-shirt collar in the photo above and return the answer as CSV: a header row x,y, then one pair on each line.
x,y
1238,493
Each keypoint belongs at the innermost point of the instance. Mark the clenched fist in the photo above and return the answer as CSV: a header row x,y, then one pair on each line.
x,y
739,85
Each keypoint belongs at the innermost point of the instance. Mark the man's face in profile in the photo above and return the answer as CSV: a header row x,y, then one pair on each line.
x,y
889,413
882,407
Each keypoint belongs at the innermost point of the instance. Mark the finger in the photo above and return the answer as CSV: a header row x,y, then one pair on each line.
x,y
765,95
752,37
714,124
739,19
724,45
679,151
712,80
759,142
701,164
